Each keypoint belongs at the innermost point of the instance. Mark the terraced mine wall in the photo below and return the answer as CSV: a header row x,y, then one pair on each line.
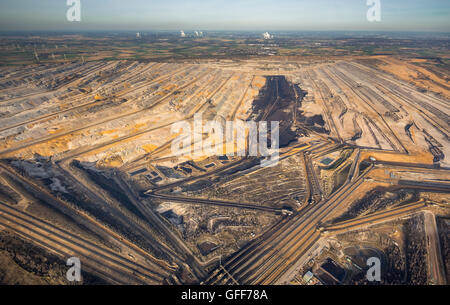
x,y
277,101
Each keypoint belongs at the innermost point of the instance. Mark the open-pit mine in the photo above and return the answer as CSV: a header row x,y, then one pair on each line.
x,y
87,170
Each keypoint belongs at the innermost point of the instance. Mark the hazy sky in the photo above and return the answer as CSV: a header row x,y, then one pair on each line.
x,y
397,15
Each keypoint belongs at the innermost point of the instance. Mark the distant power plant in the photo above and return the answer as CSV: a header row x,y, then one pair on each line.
x,y
266,35
196,34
